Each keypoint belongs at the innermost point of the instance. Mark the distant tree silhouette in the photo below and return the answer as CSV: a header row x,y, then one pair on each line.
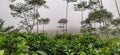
x,y
84,5
116,23
36,4
21,10
100,17
62,23
67,6
45,22
28,11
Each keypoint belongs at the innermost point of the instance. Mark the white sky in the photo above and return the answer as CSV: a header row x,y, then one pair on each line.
x,y
55,12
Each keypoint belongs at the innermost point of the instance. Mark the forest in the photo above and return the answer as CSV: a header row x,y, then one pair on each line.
x,y
99,33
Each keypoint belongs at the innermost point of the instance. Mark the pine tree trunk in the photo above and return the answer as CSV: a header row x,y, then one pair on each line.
x,y
34,16
106,30
101,4
104,23
63,28
118,28
43,29
37,20
66,16
81,17
117,8
37,27
101,8
101,30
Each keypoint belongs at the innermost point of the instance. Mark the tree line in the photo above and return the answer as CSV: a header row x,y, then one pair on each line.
x,y
100,22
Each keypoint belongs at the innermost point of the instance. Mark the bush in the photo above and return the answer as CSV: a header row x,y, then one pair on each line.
x,y
62,44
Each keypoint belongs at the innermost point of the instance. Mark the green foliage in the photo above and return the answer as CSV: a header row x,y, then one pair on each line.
x,y
62,21
4,29
45,21
65,44
28,11
1,52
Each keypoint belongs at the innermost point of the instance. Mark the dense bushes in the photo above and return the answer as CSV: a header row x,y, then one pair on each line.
x,y
62,44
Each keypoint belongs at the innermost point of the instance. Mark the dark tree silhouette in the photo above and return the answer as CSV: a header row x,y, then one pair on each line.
x,y
45,22
36,4
62,23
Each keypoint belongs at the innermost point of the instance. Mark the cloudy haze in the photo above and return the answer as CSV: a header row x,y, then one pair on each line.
x,y
55,12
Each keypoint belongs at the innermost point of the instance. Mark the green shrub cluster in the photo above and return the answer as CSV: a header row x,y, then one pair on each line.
x,y
61,44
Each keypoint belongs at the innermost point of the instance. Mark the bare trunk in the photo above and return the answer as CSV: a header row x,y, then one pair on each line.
x,y
43,29
106,31
100,30
31,27
34,17
82,15
37,21
117,8
101,4
104,23
118,28
63,28
82,19
37,27
66,15
103,29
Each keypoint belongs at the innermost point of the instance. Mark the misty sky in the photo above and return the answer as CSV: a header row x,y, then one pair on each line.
x,y
55,12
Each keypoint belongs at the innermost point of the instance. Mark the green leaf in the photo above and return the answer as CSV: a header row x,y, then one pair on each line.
x,y
1,52
34,54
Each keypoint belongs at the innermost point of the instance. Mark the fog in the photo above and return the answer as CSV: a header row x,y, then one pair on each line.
x,y
56,11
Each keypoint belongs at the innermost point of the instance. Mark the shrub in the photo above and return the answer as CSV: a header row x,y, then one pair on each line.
x,y
62,44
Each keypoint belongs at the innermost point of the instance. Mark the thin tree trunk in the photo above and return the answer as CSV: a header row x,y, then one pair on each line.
x,y
106,30
117,8
100,30
43,29
81,17
66,15
63,28
101,3
37,21
25,20
29,31
103,27
81,20
37,27
118,28
34,16
101,18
